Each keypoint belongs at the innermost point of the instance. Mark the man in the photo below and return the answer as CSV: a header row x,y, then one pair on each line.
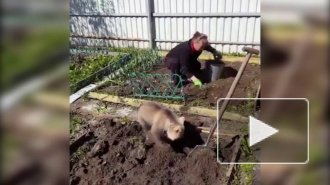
x,y
182,59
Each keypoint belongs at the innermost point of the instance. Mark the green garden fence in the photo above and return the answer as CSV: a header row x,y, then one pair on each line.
x,y
157,86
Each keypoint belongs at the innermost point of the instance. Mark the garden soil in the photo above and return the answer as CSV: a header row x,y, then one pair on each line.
x,y
115,152
247,86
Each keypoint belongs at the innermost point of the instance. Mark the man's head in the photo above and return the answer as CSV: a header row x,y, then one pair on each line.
x,y
200,41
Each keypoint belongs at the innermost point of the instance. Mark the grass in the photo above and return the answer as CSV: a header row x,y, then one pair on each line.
x,y
199,103
79,154
246,172
75,123
248,151
245,129
245,109
140,61
128,50
85,96
80,70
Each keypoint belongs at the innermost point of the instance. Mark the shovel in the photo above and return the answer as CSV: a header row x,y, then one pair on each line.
x,y
249,51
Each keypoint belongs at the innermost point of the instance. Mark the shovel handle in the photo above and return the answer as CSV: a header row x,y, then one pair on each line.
x,y
251,50
232,89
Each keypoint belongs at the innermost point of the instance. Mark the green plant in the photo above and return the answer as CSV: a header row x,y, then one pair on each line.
x,y
135,139
244,173
79,153
85,96
75,123
125,120
81,70
139,60
247,173
101,107
247,151
245,129
245,109
32,53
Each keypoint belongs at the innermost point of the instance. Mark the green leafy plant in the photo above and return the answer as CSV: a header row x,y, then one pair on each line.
x,y
247,173
125,120
92,64
101,107
85,96
75,123
26,56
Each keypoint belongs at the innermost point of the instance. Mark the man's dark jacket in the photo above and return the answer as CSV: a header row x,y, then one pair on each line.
x,y
184,57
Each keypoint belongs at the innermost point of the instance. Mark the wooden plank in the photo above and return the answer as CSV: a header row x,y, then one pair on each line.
x,y
223,133
185,109
220,133
229,172
52,99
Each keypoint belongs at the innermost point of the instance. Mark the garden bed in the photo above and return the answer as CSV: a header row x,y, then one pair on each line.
x,y
114,152
246,88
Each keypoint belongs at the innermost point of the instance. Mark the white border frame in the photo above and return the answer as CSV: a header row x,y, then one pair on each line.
x,y
305,99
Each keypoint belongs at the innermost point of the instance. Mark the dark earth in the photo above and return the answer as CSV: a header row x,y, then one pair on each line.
x,y
207,97
114,152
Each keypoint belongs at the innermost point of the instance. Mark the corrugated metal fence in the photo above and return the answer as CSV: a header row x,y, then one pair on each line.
x,y
230,24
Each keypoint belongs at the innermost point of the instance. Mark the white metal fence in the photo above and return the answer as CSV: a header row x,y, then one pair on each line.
x,y
230,24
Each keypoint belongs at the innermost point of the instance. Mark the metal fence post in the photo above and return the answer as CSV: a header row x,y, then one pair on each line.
x,y
151,23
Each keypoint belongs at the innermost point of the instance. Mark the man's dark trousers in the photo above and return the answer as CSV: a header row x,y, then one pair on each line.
x,y
173,65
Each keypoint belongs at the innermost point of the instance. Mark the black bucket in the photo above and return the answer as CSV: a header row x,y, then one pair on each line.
x,y
213,70
216,70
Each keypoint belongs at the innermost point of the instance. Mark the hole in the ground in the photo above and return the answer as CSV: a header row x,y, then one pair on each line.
x,y
112,123
80,141
141,161
191,138
122,160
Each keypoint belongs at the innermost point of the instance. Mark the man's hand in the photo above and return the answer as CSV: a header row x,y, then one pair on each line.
x,y
217,55
198,83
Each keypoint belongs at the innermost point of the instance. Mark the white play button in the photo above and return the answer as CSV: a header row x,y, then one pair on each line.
x,y
259,131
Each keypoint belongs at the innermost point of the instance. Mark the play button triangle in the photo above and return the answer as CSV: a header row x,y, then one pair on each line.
x,y
259,131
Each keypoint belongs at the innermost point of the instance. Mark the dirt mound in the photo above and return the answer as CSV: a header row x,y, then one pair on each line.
x,y
247,86
117,154
207,97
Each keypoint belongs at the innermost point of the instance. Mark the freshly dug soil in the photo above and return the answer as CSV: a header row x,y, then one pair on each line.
x,y
116,153
247,86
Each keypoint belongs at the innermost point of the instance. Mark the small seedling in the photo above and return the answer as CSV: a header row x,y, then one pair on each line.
x,y
126,120
85,96
75,123
101,108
